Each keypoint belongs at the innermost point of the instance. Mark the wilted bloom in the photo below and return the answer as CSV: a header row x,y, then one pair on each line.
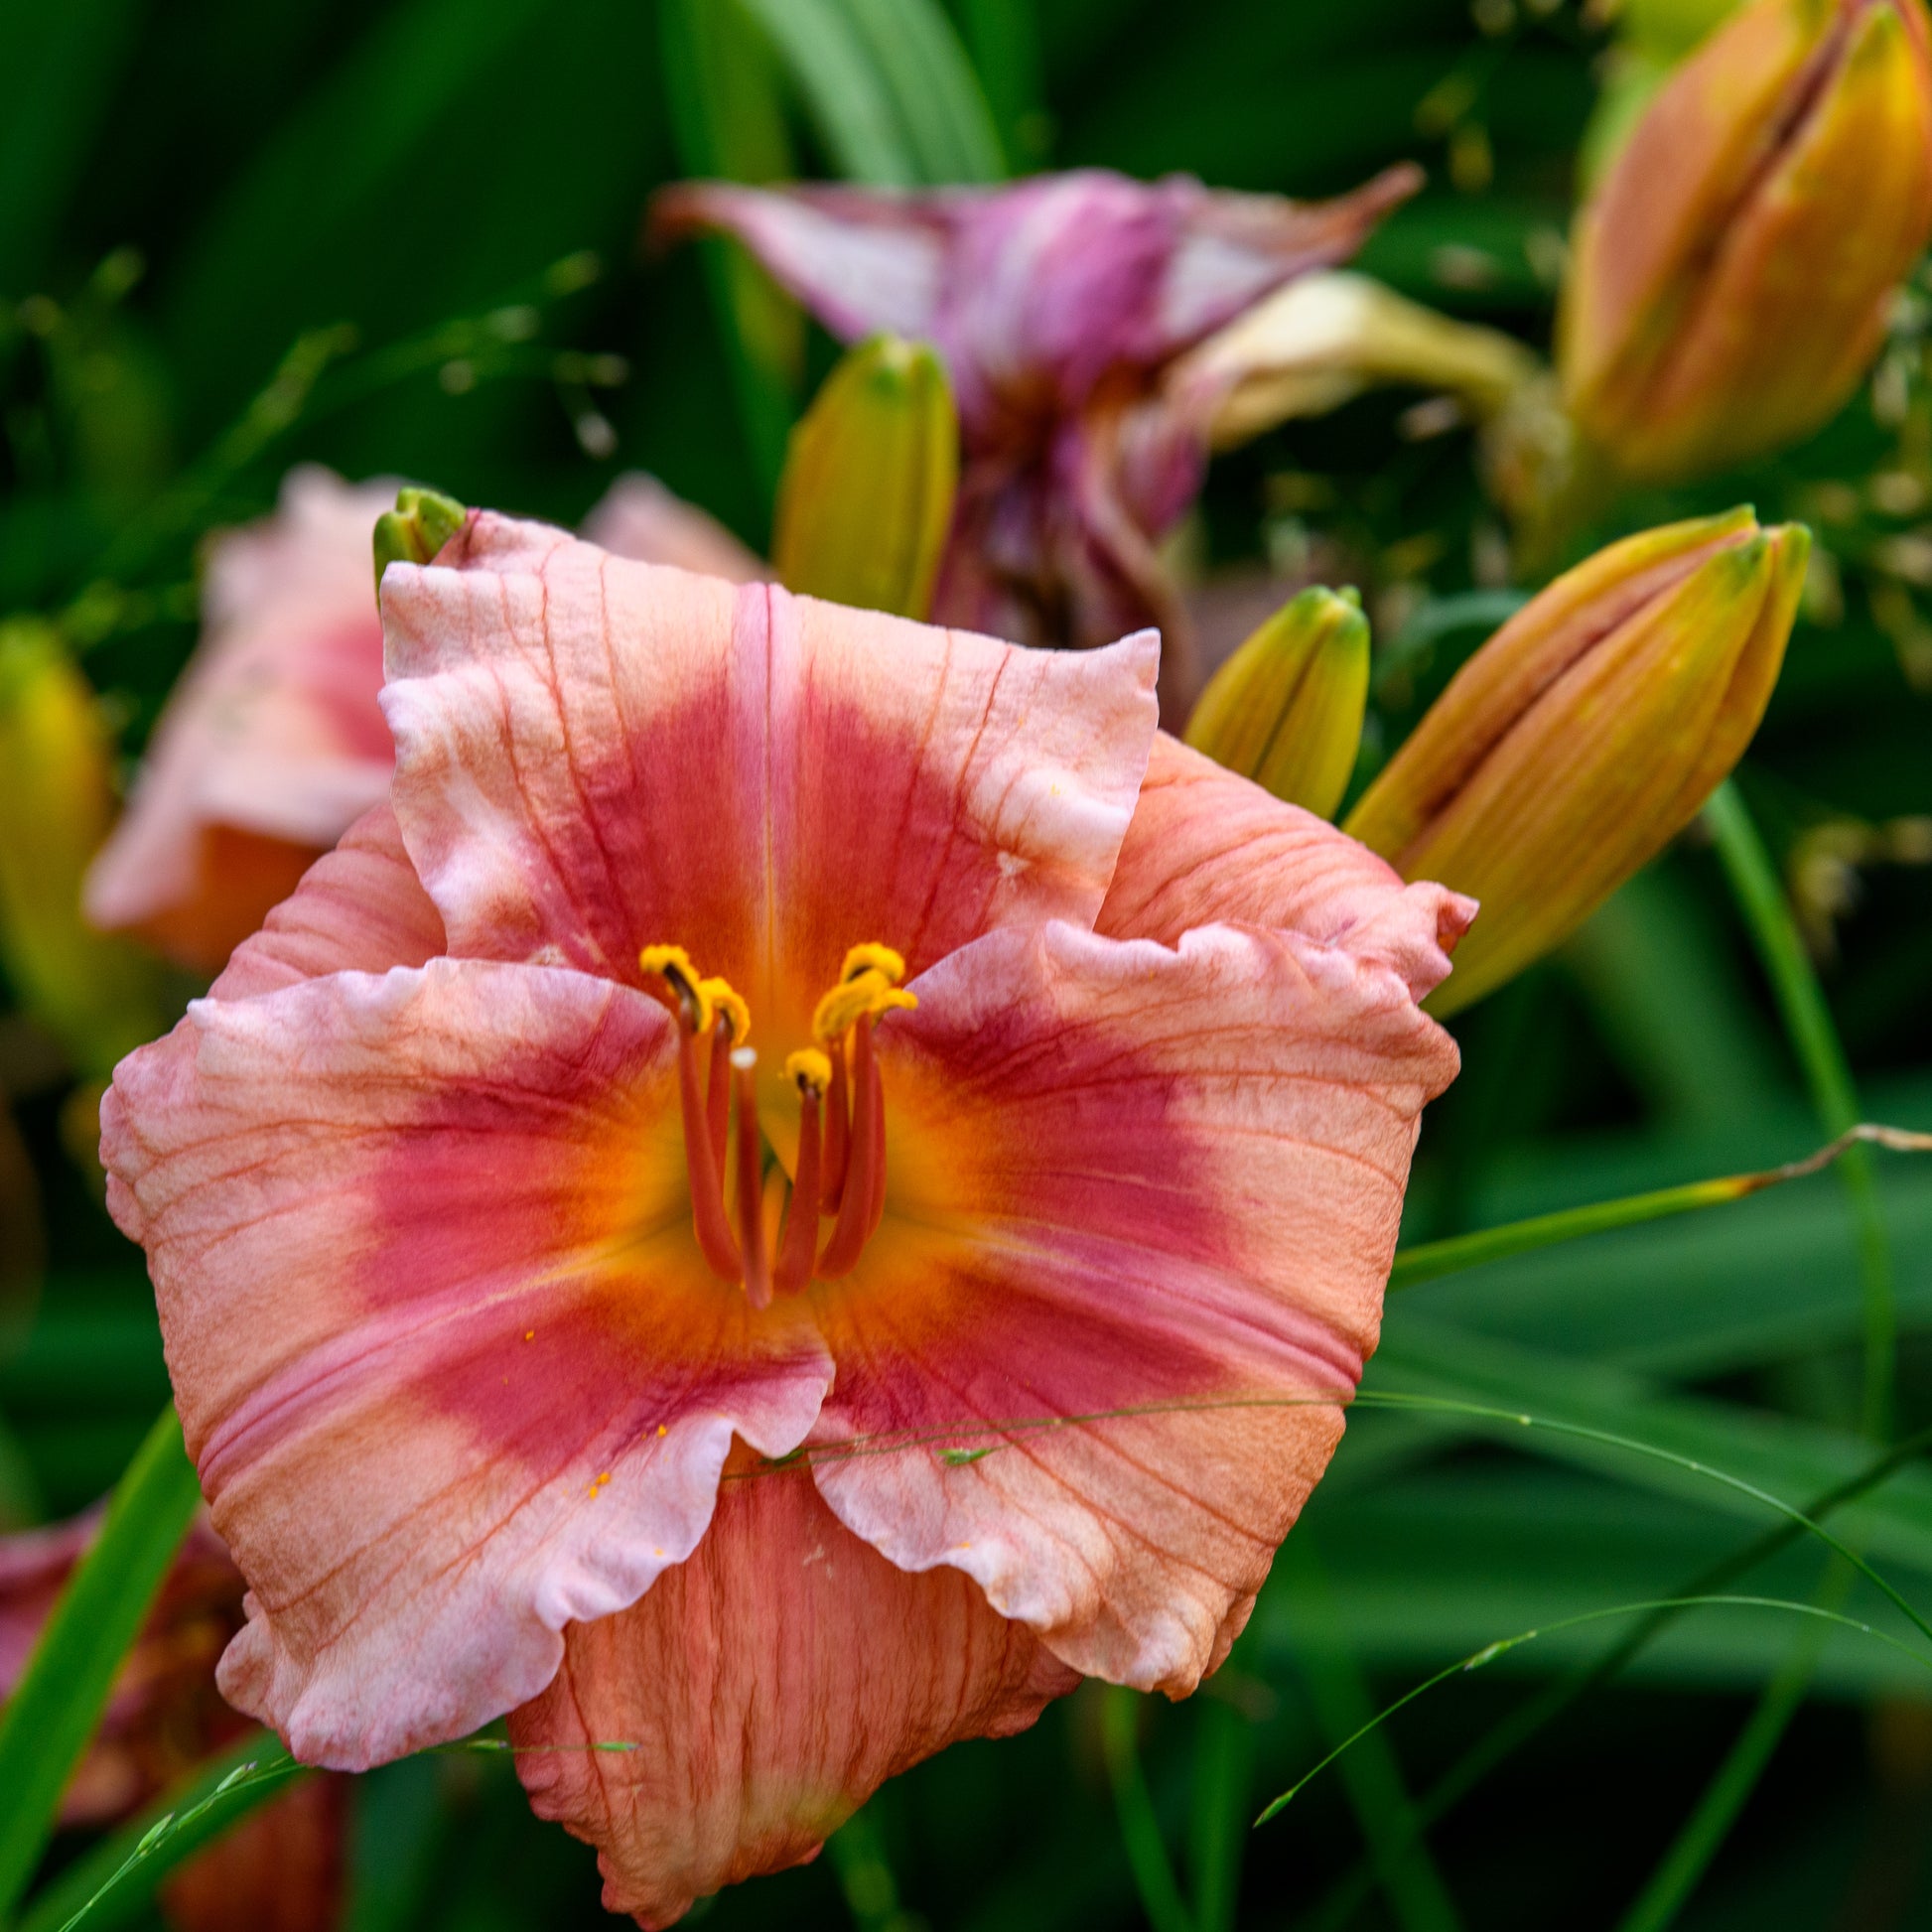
x,y
280,1869
759,1027
1587,732
94,994
273,744
1733,274
1056,305
1285,710
867,495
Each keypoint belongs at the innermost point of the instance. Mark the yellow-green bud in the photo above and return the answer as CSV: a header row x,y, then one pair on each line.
x,y
96,994
1586,733
1285,710
421,523
867,495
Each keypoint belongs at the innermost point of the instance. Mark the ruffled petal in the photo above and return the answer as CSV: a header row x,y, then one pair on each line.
x,y
762,1691
273,744
1143,1204
445,1353
639,519
596,756
358,909
1206,845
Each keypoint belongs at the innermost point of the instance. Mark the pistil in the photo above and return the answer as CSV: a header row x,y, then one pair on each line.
x,y
750,1180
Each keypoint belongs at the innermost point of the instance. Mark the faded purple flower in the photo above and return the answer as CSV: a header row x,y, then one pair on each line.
x,y
1057,304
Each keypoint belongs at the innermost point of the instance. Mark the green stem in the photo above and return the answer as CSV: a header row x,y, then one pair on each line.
x,y
64,1688
1760,897
1224,1751
115,1880
1371,1773
1814,1038
1504,1739
1431,1259
1140,1828
1703,1834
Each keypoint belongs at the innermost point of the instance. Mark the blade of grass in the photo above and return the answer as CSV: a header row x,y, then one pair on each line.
x,y
1431,1259
115,1882
1140,1828
1224,1751
1828,1075
727,120
65,1687
841,89
1697,1842
941,112
1418,1898
1503,1740
1491,1651
1814,1039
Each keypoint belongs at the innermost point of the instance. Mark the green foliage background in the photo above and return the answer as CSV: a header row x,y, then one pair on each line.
x,y
188,188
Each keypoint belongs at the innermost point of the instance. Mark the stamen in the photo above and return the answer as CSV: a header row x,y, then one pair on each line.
x,y
811,1072
838,1131
689,995
873,958
706,1179
750,1180
866,1170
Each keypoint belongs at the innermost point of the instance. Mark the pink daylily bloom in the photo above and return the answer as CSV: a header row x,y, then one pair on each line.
x,y
1057,303
807,1181
281,1868
274,743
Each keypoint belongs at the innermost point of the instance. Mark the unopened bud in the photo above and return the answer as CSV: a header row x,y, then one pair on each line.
x,y
1285,710
1731,279
421,523
867,495
1586,733
94,994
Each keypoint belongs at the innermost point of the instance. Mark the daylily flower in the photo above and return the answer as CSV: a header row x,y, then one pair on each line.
x,y
806,1182
273,744
1057,304
280,1869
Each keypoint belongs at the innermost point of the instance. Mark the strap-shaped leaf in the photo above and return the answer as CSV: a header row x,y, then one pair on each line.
x,y
64,1688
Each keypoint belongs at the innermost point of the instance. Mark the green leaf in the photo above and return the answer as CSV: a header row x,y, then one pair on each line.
x,y
935,94
1789,1459
65,1687
115,1882
843,91
57,68
727,123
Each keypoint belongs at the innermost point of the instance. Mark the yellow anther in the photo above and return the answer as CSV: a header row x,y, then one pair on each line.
x,y
672,964
853,1000
873,958
728,1003
808,1071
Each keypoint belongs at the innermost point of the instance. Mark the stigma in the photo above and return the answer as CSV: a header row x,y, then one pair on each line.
x,y
840,1172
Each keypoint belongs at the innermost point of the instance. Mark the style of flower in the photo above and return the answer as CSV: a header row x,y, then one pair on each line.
x,y
807,1181
273,744
281,1868
1058,304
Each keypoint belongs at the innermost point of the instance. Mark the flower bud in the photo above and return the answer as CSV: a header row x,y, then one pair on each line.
x,y
1586,733
1731,278
867,495
93,993
421,523
1285,710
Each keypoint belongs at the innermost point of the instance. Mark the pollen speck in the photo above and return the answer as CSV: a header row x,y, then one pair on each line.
x,y
529,1334
662,1431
